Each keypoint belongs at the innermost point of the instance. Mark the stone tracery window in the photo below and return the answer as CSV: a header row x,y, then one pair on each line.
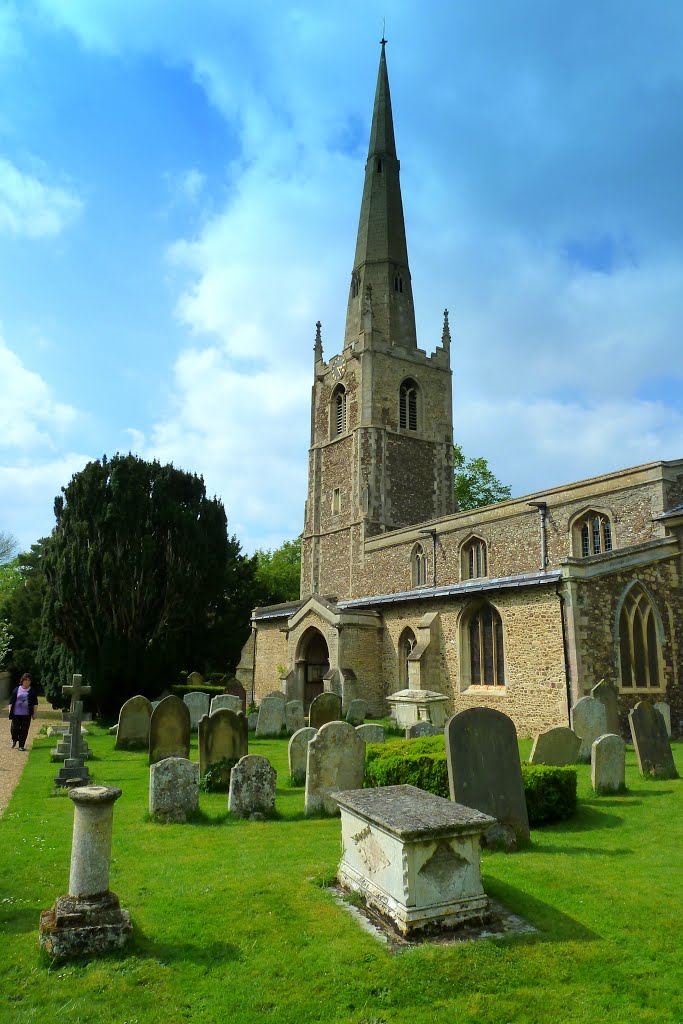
x,y
419,566
483,650
338,411
639,643
408,404
592,534
474,559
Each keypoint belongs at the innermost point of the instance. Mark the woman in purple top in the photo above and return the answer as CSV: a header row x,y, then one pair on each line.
x,y
22,708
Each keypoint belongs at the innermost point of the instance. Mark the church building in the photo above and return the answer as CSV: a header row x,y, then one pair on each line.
x,y
419,608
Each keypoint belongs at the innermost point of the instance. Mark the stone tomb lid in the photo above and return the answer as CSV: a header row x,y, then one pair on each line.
x,y
416,695
409,813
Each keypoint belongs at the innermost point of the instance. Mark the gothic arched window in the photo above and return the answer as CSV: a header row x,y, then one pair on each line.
x,y
419,566
338,411
406,645
482,644
639,644
592,534
474,559
408,405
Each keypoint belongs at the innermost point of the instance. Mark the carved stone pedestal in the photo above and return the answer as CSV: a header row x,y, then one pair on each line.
x,y
84,927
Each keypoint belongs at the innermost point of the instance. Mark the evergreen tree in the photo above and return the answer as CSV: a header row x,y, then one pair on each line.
x,y
475,484
278,573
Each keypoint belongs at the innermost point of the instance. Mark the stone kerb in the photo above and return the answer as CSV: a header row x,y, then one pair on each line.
x,y
223,736
371,733
484,769
336,760
198,704
653,749
608,764
558,747
297,753
608,695
252,787
326,707
294,716
169,730
271,717
132,732
357,712
173,789
226,701
589,720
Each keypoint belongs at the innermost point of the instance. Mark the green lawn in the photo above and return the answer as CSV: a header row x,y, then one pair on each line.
x,y
230,924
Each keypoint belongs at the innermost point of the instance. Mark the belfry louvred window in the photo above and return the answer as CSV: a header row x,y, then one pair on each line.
x,y
339,411
408,405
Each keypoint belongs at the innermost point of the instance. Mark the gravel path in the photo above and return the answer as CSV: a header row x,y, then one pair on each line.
x,y
12,760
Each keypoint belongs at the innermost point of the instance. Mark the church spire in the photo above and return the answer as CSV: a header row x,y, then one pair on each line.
x,y
381,258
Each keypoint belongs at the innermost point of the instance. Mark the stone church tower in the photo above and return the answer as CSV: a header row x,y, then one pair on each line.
x,y
381,454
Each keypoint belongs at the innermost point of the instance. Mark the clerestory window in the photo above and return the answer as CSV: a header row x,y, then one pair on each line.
x,y
419,566
592,534
474,559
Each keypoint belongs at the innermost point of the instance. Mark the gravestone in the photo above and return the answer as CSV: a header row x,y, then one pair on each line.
x,y
235,689
665,712
326,707
419,729
589,720
76,691
271,717
222,736
609,696
357,712
227,701
195,679
297,753
173,789
559,747
371,733
277,693
198,705
252,787
294,716
252,721
336,760
73,769
653,749
132,732
484,769
608,764
169,730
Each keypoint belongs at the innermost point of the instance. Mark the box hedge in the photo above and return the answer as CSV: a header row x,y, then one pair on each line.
x,y
550,792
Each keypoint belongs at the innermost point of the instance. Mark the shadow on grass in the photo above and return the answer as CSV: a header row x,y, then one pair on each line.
x,y
592,850
590,816
23,919
554,925
208,953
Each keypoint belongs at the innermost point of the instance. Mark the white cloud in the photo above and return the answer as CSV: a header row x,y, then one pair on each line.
x,y
30,416
28,491
31,208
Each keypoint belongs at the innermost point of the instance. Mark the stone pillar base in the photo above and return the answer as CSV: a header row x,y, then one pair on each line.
x,y
84,927
71,775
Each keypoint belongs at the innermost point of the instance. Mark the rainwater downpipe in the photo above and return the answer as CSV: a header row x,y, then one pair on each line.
x,y
542,516
431,533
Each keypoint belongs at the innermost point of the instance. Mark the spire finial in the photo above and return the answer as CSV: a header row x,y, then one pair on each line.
x,y
384,40
318,347
446,333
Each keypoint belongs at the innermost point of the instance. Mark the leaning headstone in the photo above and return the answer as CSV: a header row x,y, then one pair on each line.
x,y
484,769
336,760
559,747
198,705
297,752
173,789
88,920
252,787
169,730
222,737
133,728
371,733
608,764
225,700
294,716
653,749
665,712
271,717
252,721
608,695
419,729
326,707
357,712
589,720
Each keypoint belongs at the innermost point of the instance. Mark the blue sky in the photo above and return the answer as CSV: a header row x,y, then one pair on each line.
x,y
179,191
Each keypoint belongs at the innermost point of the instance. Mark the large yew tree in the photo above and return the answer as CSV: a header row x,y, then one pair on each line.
x,y
137,575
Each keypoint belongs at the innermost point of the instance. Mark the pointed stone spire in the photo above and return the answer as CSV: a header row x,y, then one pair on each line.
x,y
381,258
446,333
318,347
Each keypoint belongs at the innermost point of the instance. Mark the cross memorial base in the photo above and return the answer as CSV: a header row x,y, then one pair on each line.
x,y
84,927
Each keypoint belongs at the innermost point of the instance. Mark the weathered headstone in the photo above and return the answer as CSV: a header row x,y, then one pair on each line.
x,y
297,753
589,720
279,694
608,764
198,705
252,787
559,747
222,736
357,712
173,789
235,689
195,679
271,717
484,770
133,728
608,695
65,748
371,733
73,769
252,721
227,701
326,707
169,730
653,749
336,760
294,716
665,712
419,729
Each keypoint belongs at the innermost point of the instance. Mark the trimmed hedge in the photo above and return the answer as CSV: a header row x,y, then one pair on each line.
x,y
550,792
212,691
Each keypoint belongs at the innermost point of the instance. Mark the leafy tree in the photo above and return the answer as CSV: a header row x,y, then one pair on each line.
x,y
9,545
278,573
5,641
475,484
136,575
22,607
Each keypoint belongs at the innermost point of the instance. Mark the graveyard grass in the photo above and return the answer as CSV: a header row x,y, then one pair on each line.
x,y
232,922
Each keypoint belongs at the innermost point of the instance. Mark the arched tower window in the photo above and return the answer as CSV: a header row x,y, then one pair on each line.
x,y
474,559
419,566
592,534
483,663
408,405
406,645
379,165
398,282
338,411
640,652
355,285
